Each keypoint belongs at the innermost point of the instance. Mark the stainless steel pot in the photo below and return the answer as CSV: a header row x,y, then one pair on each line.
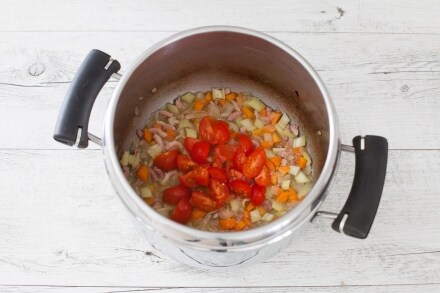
x,y
243,60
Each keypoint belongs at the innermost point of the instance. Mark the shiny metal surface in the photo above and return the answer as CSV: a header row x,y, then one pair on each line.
x,y
327,215
347,148
243,60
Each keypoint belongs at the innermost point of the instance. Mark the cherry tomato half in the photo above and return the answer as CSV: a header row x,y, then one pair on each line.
x,y
245,143
172,195
219,191
263,179
258,194
205,129
188,179
221,132
200,151
254,163
240,187
189,143
201,175
224,152
167,161
218,174
184,163
202,201
239,158
182,213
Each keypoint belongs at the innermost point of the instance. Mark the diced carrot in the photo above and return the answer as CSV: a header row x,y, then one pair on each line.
x,y
199,104
269,128
247,112
293,195
156,125
275,138
148,136
208,96
263,112
171,134
276,161
221,102
302,162
274,179
231,96
261,210
274,117
149,200
283,170
298,151
270,165
239,225
250,206
197,214
257,132
240,99
142,173
266,144
246,214
247,221
226,224
282,197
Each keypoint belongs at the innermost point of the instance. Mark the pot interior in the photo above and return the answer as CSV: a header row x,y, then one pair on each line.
x,y
242,62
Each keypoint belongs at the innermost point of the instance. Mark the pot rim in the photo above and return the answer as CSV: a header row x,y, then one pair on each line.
x,y
181,233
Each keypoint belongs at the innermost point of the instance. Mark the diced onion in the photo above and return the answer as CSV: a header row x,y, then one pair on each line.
x,y
191,132
284,132
307,157
229,107
172,108
284,120
146,192
165,211
271,191
134,160
154,150
256,104
267,217
293,170
259,123
247,123
299,142
267,136
269,154
255,216
301,178
304,189
235,205
213,110
277,206
124,160
285,184
278,150
233,126
218,93
188,97
185,123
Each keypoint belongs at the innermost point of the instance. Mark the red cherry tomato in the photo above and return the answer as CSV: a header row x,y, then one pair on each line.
x,y
219,191
221,132
218,174
201,175
258,194
245,143
200,152
189,143
216,162
172,195
202,201
263,179
239,158
205,129
182,213
234,174
184,163
167,161
254,163
240,187
188,179
224,152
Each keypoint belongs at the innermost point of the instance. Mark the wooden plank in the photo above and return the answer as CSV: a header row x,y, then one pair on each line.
x,y
299,16
328,289
384,84
62,224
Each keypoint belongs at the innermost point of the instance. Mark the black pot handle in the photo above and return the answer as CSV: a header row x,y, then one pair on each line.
x,y
359,211
73,118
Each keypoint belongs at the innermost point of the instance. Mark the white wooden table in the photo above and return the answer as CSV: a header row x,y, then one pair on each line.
x,y
62,228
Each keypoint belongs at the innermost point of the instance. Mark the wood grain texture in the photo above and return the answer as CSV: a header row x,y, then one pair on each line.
x,y
298,16
62,224
327,289
386,85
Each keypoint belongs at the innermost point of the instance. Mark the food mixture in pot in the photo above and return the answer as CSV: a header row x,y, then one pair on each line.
x,y
219,161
